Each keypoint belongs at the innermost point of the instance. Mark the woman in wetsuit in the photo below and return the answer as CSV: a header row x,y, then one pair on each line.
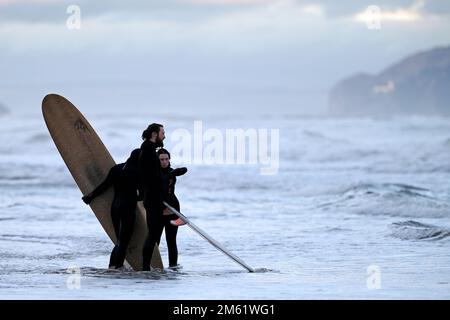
x,y
170,220
124,177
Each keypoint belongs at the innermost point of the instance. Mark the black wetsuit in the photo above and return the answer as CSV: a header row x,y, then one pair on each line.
x,y
168,187
150,172
125,180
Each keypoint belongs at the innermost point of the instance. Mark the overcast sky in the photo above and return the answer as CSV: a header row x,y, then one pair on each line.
x,y
300,48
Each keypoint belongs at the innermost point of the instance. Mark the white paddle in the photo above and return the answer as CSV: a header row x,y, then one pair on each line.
x,y
208,238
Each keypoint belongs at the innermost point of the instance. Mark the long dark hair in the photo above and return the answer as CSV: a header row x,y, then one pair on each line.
x,y
154,127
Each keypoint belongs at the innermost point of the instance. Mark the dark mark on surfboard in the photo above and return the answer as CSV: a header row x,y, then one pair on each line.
x,y
80,125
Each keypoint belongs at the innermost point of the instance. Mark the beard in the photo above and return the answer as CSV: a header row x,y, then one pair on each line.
x,y
159,143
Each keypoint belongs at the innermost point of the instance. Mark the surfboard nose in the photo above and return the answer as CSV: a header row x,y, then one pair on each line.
x,y
51,99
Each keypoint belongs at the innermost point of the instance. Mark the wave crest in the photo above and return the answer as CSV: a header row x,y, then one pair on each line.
x,y
413,230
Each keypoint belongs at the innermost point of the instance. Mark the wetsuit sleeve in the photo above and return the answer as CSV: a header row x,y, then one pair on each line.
x,y
171,190
148,166
170,197
142,166
102,187
175,203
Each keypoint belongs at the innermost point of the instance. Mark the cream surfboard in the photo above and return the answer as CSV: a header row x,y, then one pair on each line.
x,y
89,162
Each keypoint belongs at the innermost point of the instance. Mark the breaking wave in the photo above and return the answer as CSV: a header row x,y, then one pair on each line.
x,y
413,230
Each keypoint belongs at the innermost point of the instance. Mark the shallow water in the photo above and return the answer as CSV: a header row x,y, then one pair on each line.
x,y
359,209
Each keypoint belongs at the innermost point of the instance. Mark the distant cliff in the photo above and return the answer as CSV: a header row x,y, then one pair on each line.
x,y
419,84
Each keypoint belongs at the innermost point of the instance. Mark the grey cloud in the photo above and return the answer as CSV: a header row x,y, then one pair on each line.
x,y
53,12
176,10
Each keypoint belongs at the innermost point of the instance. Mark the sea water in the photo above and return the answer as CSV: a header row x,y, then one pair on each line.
x,y
359,208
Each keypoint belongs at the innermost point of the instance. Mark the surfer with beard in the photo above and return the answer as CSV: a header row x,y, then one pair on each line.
x,y
151,180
